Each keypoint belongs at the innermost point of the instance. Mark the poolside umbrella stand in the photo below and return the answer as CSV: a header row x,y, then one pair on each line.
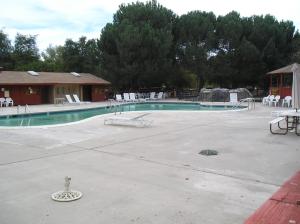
x,y
296,87
67,195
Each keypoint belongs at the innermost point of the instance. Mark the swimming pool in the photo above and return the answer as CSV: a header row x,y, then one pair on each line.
x,y
62,117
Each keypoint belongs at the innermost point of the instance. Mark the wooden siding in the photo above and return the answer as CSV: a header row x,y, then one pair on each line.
x,y
23,95
99,93
60,91
38,94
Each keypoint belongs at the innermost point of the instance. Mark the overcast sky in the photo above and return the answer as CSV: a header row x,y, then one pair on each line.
x,y
56,20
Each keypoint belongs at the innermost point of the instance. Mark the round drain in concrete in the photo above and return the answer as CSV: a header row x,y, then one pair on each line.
x,y
208,152
67,194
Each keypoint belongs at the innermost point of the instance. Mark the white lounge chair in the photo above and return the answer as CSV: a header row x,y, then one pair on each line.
x,y
275,100
77,100
137,121
69,99
146,96
152,96
132,97
141,97
126,97
9,101
160,95
119,98
2,102
287,101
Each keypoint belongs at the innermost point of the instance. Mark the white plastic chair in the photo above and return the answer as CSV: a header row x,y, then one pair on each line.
x,y
2,101
275,100
8,101
271,98
265,100
287,100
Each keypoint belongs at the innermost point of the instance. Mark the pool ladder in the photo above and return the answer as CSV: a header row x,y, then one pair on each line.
x,y
26,109
115,106
250,101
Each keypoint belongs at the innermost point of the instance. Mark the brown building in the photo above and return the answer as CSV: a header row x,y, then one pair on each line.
x,y
281,81
50,87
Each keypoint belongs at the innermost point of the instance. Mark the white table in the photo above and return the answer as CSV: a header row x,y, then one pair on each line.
x,y
59,100
293,120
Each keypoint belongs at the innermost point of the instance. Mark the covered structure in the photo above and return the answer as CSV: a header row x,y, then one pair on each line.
x,y
296,87
49,87
281,81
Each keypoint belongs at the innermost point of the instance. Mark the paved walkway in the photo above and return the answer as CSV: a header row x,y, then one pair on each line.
x,y
146,175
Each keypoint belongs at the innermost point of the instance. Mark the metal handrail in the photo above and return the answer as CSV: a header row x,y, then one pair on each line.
x,y
114,106
250,101
27,109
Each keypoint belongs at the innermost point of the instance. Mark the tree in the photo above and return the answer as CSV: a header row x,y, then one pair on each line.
x,y
91,54
296,48
136,48
71,57
249,47
195,36
273,39
81,56
26,52
52,59
248,65
5,51
224,71
229,31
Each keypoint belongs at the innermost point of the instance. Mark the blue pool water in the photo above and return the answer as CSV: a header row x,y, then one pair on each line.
x,y
52,118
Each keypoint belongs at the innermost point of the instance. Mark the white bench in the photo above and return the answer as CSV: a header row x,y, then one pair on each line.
x,y
277,121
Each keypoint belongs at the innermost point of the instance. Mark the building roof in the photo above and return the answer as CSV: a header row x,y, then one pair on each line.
x,y
46,78
284,70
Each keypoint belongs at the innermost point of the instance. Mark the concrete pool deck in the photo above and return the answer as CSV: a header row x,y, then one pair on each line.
x,y
146,175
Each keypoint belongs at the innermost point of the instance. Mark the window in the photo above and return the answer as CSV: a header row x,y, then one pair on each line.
x,y
287,80
275,80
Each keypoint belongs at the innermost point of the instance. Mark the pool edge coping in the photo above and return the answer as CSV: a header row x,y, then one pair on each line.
x,y
100,115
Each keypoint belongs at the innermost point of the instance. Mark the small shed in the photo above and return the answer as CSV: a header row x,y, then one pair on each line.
x,y
281,81
47,87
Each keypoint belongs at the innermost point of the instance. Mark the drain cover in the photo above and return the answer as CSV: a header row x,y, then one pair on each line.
x,y
67,194
208,152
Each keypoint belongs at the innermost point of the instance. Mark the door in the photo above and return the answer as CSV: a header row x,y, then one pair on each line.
x,y
45,94
87,93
